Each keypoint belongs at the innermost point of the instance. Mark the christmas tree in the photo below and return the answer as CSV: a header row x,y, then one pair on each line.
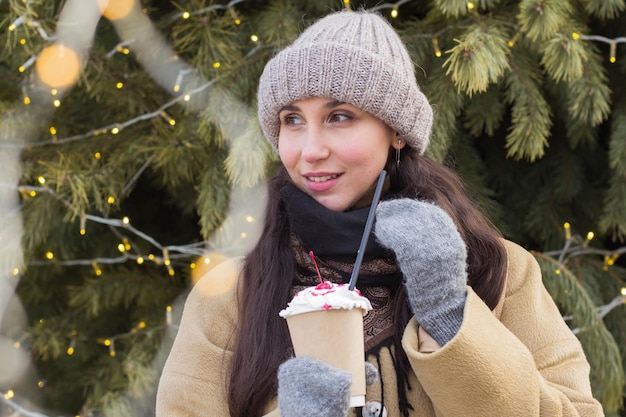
x,y
131,162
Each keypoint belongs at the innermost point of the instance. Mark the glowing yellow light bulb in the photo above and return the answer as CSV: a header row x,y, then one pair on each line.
x,y
32,193
192,265
16,272
186,15
249,219
22,41
142,325
119,85
187,97
12,27
613,48
54,92
97,155
53,130
107,342
70,351
568,232
9,394
237,21
125,220
216,65
57,103
207,260
254,38
140,260
623,291
151,256
470,5
436,46
590,235
557,271
115,130
21,69
50,255
41,384
111,199
26,100
120,247
41,180
575,36
176,88
394,13
82,232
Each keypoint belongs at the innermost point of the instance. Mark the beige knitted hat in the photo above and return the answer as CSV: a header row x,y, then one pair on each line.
x,y
354,57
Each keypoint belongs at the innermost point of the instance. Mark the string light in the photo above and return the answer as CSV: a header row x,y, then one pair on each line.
x,y
611,42
568,232
514,40
436,46
205,10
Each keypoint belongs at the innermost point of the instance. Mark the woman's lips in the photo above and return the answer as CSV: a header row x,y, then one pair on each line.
x,y
321,182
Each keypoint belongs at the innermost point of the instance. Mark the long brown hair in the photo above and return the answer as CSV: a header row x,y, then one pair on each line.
x,y
262,339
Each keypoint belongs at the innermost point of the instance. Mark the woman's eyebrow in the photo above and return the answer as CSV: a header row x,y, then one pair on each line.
x,y
289,107
334,103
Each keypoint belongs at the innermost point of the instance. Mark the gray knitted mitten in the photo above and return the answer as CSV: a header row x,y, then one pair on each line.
x,y
432,256
309,387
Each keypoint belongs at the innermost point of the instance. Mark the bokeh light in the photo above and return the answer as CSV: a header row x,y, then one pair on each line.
x,y
116,9
58,66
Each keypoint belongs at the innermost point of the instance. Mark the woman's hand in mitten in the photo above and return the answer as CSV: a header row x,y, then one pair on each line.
x,y
432,256
309,387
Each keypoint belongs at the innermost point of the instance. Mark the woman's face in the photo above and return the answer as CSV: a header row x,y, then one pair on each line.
x,y
334,151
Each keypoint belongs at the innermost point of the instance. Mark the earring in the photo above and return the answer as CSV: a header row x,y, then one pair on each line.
x,y
398,153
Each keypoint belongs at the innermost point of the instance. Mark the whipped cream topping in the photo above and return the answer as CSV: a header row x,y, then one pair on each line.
x,y
326,296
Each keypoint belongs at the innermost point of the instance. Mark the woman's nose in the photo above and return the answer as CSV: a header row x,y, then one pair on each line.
x,y
315,146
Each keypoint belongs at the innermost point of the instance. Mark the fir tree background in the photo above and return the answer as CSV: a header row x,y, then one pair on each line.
x,y
131,162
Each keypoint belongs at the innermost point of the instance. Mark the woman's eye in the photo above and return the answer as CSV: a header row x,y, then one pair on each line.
x,y
339,117
291,119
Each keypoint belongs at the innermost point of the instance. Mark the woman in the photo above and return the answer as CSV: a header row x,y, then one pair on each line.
x,y
461,324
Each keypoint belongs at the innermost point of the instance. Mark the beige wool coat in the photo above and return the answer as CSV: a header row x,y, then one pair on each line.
x,y
525,363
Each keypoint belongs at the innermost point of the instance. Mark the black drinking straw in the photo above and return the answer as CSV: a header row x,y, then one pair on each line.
x,y
366,232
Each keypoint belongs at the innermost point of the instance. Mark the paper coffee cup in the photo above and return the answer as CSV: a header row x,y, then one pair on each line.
x,y
336,337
